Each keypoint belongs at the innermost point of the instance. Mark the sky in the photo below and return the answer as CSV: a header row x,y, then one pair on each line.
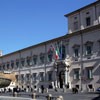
x,y
24,23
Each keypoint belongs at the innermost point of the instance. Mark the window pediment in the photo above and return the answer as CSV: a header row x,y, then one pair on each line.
x,y
42,54
34,56
76,46
17,60
89,43
8,62
28,57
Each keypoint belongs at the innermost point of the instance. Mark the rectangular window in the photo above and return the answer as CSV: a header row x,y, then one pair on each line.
x,y
88,21
42,59
8,66
76,52
17,64
22,78
34,76
4,67
29,61
76,25
41,76
88,50
27,77
22,62
12,65
35,60
49,75
76,74
89,73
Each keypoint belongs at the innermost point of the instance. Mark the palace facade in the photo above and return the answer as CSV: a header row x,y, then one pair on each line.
x,y
78,64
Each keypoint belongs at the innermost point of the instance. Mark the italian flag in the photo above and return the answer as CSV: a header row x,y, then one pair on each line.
x,y
56,54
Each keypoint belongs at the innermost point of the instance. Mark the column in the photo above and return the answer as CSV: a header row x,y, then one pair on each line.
x,y
67,48
56,78
66,77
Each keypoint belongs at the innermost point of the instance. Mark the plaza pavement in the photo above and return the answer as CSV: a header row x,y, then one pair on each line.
x,y
68,95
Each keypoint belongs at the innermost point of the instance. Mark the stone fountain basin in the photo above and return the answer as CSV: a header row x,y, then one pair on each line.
x,y
4,82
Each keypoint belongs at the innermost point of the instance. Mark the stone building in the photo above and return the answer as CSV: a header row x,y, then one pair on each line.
x,y
78,64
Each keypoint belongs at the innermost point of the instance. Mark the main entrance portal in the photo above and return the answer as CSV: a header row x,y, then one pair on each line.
x,y
61,78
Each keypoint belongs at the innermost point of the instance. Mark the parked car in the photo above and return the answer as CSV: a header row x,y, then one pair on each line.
x,y
98,89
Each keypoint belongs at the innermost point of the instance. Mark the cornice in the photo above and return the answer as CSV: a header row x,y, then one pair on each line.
x,y
85,7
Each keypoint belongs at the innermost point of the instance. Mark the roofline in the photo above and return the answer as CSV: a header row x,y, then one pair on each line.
x,y
78,10
34,46
66,36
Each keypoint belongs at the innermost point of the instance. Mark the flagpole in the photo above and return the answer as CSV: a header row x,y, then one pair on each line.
x,y
61,51
55,70
55,56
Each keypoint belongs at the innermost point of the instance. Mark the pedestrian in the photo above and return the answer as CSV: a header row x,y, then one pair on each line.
x,y
42,88
76,90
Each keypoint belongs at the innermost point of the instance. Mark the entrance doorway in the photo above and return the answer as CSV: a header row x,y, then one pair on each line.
x,y
61,78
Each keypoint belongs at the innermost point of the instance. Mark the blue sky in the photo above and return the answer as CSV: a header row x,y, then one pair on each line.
x,y
24,23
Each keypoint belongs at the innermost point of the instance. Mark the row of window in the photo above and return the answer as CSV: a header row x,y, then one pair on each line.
x,y
41,77
88,73
87,23
29,61
35,77
88,49
88,20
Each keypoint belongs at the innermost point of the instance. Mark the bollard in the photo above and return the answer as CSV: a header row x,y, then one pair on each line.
x,y
46,90
64,89
39,90
15,94
49,97
60,98
34,96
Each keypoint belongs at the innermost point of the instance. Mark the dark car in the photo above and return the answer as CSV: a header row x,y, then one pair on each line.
x,y
98,89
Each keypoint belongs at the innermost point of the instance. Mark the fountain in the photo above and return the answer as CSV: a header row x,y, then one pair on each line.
x,y
6,78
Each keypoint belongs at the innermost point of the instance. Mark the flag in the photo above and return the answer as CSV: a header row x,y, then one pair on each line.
x,y
57,53
60,50
57,50
51,49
